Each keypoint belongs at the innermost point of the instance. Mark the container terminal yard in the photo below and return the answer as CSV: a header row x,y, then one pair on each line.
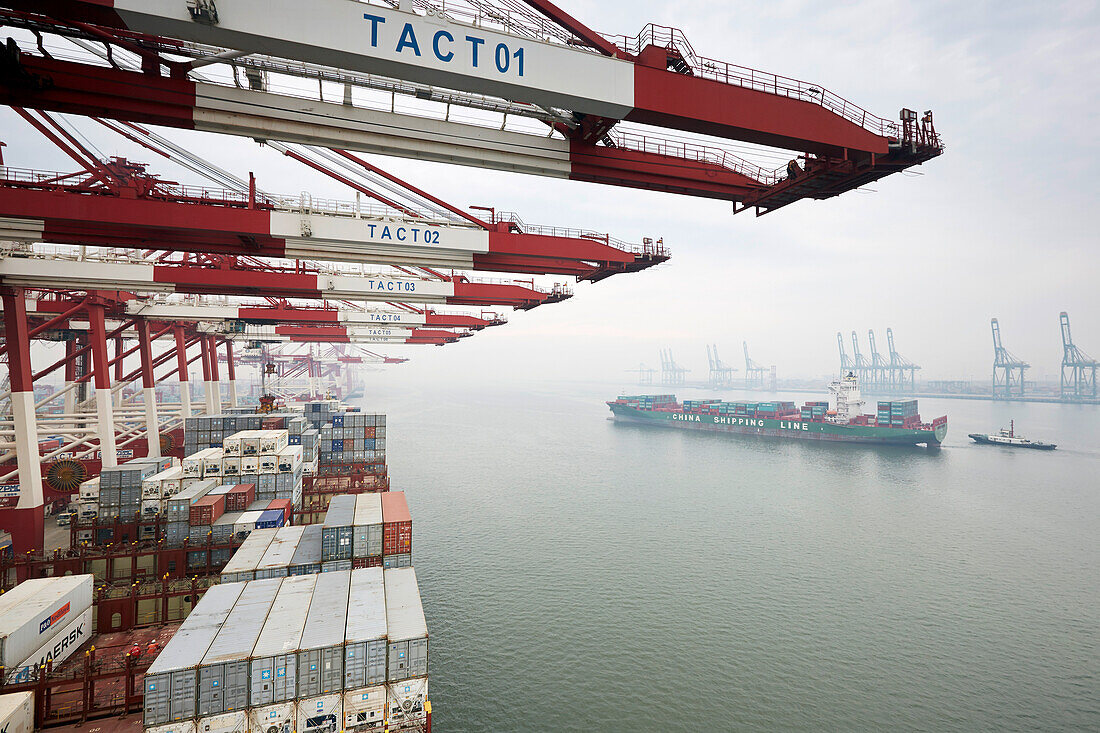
x,y
243,562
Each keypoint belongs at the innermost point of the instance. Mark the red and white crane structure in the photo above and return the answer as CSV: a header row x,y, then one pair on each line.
x,y
527,61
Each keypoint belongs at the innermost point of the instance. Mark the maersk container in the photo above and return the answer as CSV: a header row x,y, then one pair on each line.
x,y
71,637
367,531
407,629
35,611
365,708
171,680
321,714
277,718
242,566
17,712
336,535
307,556
223,672
234,722
407,703
276,561
321,656
365,632
274,665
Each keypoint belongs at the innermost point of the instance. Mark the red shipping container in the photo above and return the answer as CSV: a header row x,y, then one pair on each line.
x,y
207,510
286,505
239,497
396,524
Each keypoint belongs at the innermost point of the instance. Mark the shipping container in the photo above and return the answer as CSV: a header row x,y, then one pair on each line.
x,y
407,629
336,535
407,703
277,718
274,665
365,709
397,561
321,656
270,518
307,557
234,722
53,652
35,611
365,632
207,510
396,524
171,680
367,530
320,714
247,523
239,497
17,712
183,726
242,566
223,672
276,561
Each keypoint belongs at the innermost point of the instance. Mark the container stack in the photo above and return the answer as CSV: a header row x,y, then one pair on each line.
x,y
352,456
898,414
211,431
360,531
649,401
814,410
120,488
315,653
43,621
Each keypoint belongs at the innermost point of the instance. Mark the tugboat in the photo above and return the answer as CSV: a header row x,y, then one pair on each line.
x,y
1009,438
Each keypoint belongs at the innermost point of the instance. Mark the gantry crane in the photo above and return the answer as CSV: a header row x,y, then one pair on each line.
x,y
845,362
506,60
1078,368
671,372
756,375
721,374
860,365
645,374
878,367
903,373
1008,371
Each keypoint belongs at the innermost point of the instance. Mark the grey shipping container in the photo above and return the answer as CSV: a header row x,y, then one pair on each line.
x,y
276,561
34,611
406,628
242,566
223,673
335,566
367,530
171,680
179,506
307,558
321,656
397,561
365,632
274,665
336,535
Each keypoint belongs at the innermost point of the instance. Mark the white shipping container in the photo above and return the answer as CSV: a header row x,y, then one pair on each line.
x,y
365,709
90,489
407,630
212,463
320,714
183,726
247,522
278,718
290,458
274,665
235,722
57,649
406,701
35,611
17,712
250,464
231,445
272,441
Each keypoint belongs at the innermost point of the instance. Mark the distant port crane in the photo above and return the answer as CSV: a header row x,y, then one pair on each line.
x,y
879,372
721,373
903,373
1078,368
1008,370
645,374
671,372
845,362
757,375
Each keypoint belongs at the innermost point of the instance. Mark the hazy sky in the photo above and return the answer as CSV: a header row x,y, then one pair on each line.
x,y
997,226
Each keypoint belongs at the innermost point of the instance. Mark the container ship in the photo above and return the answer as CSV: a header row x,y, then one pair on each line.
x,y
840,419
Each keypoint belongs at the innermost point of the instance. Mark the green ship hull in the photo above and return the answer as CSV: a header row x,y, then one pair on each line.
x,y
784,428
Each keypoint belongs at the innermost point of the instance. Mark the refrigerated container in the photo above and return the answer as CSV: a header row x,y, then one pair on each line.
x,y
276,561
365,632
320,714
367,529
234,722
365,709
242,566
407,702
321,656
183,726
277,718
223,671
171,681
17,712
71,637
406,628
35,611
274,665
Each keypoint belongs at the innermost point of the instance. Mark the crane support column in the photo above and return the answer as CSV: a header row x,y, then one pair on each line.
x,y
101,376
25,522
70,377
231,372
148,389
181,367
